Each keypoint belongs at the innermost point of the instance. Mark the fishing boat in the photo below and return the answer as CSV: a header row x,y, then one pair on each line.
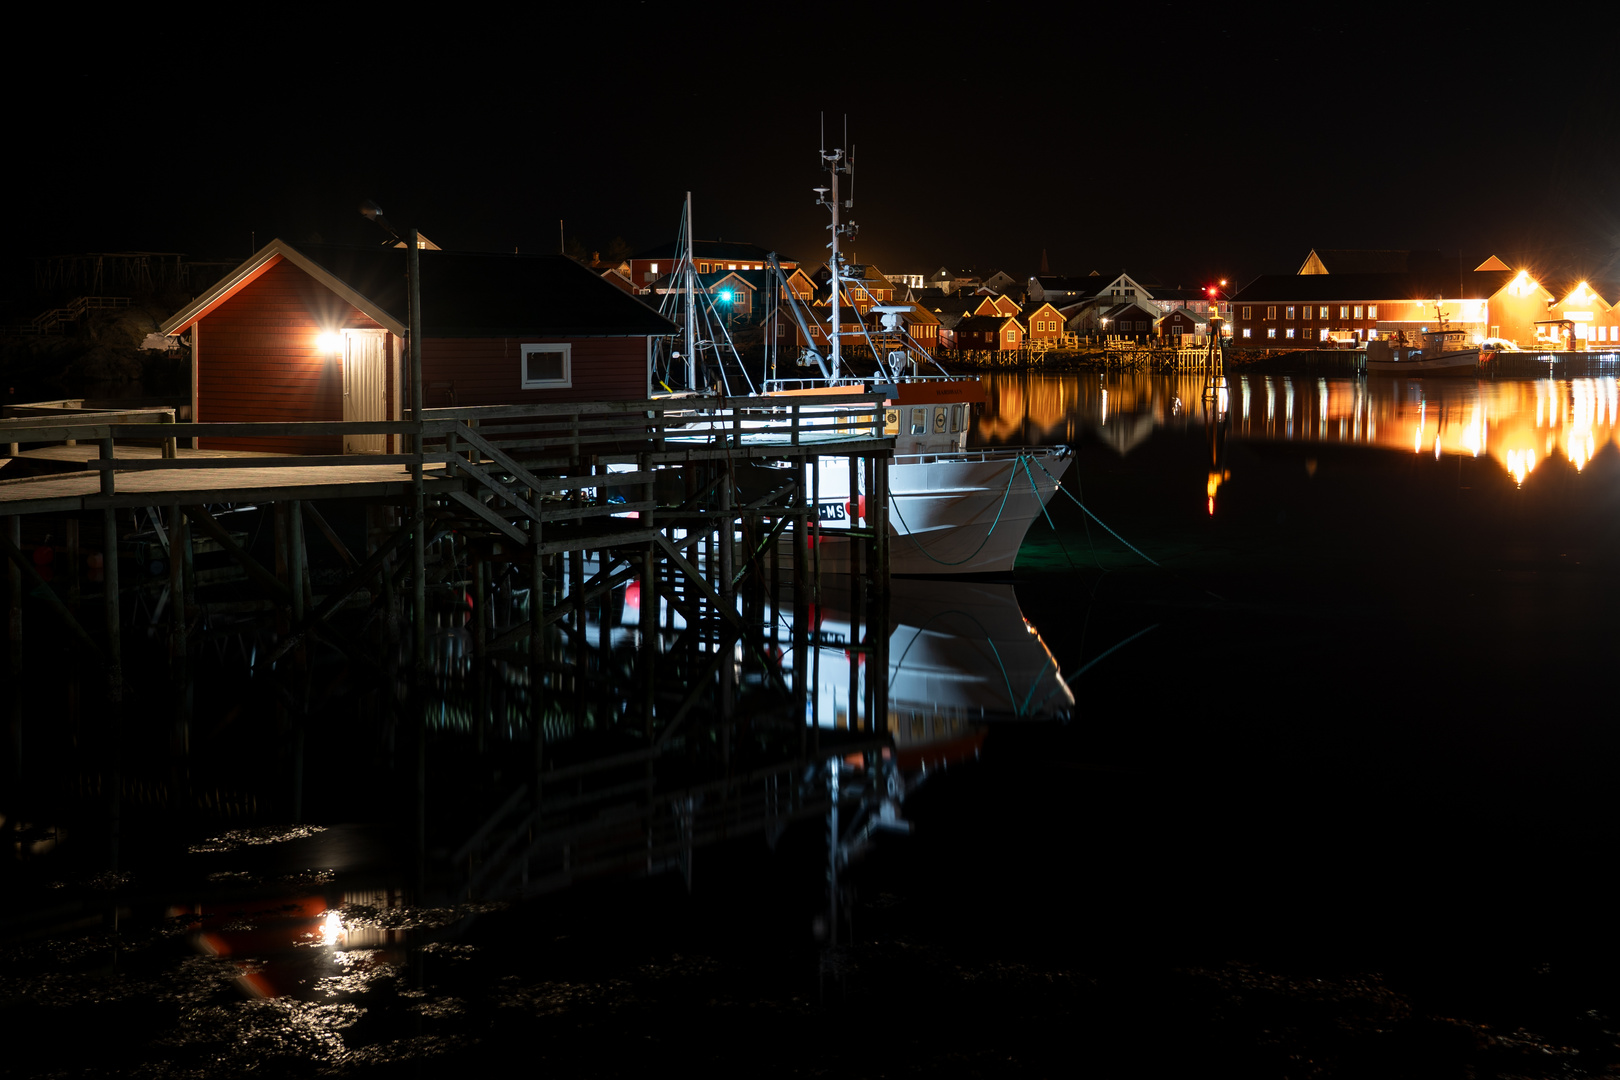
x,y
1445,351
951,509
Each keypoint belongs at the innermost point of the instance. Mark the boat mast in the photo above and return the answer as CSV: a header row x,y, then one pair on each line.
x,y
691,303
835,162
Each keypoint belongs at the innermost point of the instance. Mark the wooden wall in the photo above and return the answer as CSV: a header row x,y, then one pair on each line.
x,y
257,359
488,371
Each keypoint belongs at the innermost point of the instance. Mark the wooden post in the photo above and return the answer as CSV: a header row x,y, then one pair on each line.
x,y
177,592
71,529
649,605
109,570
801,544
727,530
480,616
537,612
14,630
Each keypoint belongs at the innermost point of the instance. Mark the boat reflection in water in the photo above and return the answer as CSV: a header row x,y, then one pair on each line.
x,y
1518,423
961,656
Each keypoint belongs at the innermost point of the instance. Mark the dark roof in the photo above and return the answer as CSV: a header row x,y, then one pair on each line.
x,y
1468,285
476,294
985,322
1125,309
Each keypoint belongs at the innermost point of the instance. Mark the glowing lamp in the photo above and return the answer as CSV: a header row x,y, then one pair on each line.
x,y
329,342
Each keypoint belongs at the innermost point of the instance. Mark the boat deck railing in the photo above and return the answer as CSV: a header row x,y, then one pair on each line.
x,y
877,384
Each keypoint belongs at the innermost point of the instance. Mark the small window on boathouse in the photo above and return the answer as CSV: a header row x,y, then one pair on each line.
x,y
546,367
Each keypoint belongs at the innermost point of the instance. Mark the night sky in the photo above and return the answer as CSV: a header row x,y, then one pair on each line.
x,y
1178,142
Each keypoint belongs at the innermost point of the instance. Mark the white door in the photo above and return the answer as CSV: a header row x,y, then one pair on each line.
x,y
365,374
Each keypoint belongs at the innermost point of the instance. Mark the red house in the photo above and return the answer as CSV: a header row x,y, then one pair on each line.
x,y
318,334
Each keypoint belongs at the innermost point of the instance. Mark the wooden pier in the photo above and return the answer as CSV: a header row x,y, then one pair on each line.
x,y
687,499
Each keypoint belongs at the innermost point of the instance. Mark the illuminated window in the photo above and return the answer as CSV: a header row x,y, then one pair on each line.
x,y
1290,315
1358,311
1245,331
1272,333
546,367
1372,311
1323,311
1012,335
1344,311
1289,333
703,268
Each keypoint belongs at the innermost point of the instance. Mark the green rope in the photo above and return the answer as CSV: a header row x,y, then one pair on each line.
x,y
1094,517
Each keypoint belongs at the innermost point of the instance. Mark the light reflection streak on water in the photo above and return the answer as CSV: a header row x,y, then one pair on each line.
x,y
1518,423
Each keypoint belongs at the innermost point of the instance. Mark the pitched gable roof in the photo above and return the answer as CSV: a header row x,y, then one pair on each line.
x,y
464,294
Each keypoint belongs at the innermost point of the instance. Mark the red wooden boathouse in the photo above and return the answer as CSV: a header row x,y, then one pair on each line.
x,y
318,333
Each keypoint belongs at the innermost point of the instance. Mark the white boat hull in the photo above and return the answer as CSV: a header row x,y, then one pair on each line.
x,y
1453,363
961,513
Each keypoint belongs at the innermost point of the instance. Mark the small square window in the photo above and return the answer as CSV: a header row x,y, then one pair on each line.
x,y
546,367
1245,331
1289,333
1271,333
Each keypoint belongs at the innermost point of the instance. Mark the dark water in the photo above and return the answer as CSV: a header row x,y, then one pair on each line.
x,y
1334,798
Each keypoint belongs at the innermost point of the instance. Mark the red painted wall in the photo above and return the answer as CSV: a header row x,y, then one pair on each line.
x,y
257,360
488,371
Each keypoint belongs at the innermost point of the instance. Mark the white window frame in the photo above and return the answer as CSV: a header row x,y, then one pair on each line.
x,y
561,347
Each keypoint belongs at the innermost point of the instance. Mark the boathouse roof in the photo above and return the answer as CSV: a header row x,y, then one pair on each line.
x,y
464,294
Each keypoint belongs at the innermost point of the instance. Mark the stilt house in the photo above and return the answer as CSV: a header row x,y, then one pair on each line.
x,y
318,333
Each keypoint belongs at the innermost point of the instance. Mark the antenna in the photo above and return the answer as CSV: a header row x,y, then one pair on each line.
x,y
824,133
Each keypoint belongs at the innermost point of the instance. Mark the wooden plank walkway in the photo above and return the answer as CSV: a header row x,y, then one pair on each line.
x,y
81,490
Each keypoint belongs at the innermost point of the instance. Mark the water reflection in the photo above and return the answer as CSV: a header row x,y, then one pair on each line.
x,y
1519,423
958,657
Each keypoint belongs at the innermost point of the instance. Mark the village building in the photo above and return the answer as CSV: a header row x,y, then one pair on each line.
x,y
709,256
989,333
318,333
1043,324
1183,326
1490,301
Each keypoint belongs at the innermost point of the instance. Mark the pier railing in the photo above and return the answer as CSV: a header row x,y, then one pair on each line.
x,y
503,463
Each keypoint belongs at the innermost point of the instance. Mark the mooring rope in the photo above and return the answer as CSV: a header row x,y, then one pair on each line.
x,y
1093,517
895,502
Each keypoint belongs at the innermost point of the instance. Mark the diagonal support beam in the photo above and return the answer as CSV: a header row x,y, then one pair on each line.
x,y
517,535
43,588
338,597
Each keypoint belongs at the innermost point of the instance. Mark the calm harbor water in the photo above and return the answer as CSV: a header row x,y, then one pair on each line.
x,y
1296,759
